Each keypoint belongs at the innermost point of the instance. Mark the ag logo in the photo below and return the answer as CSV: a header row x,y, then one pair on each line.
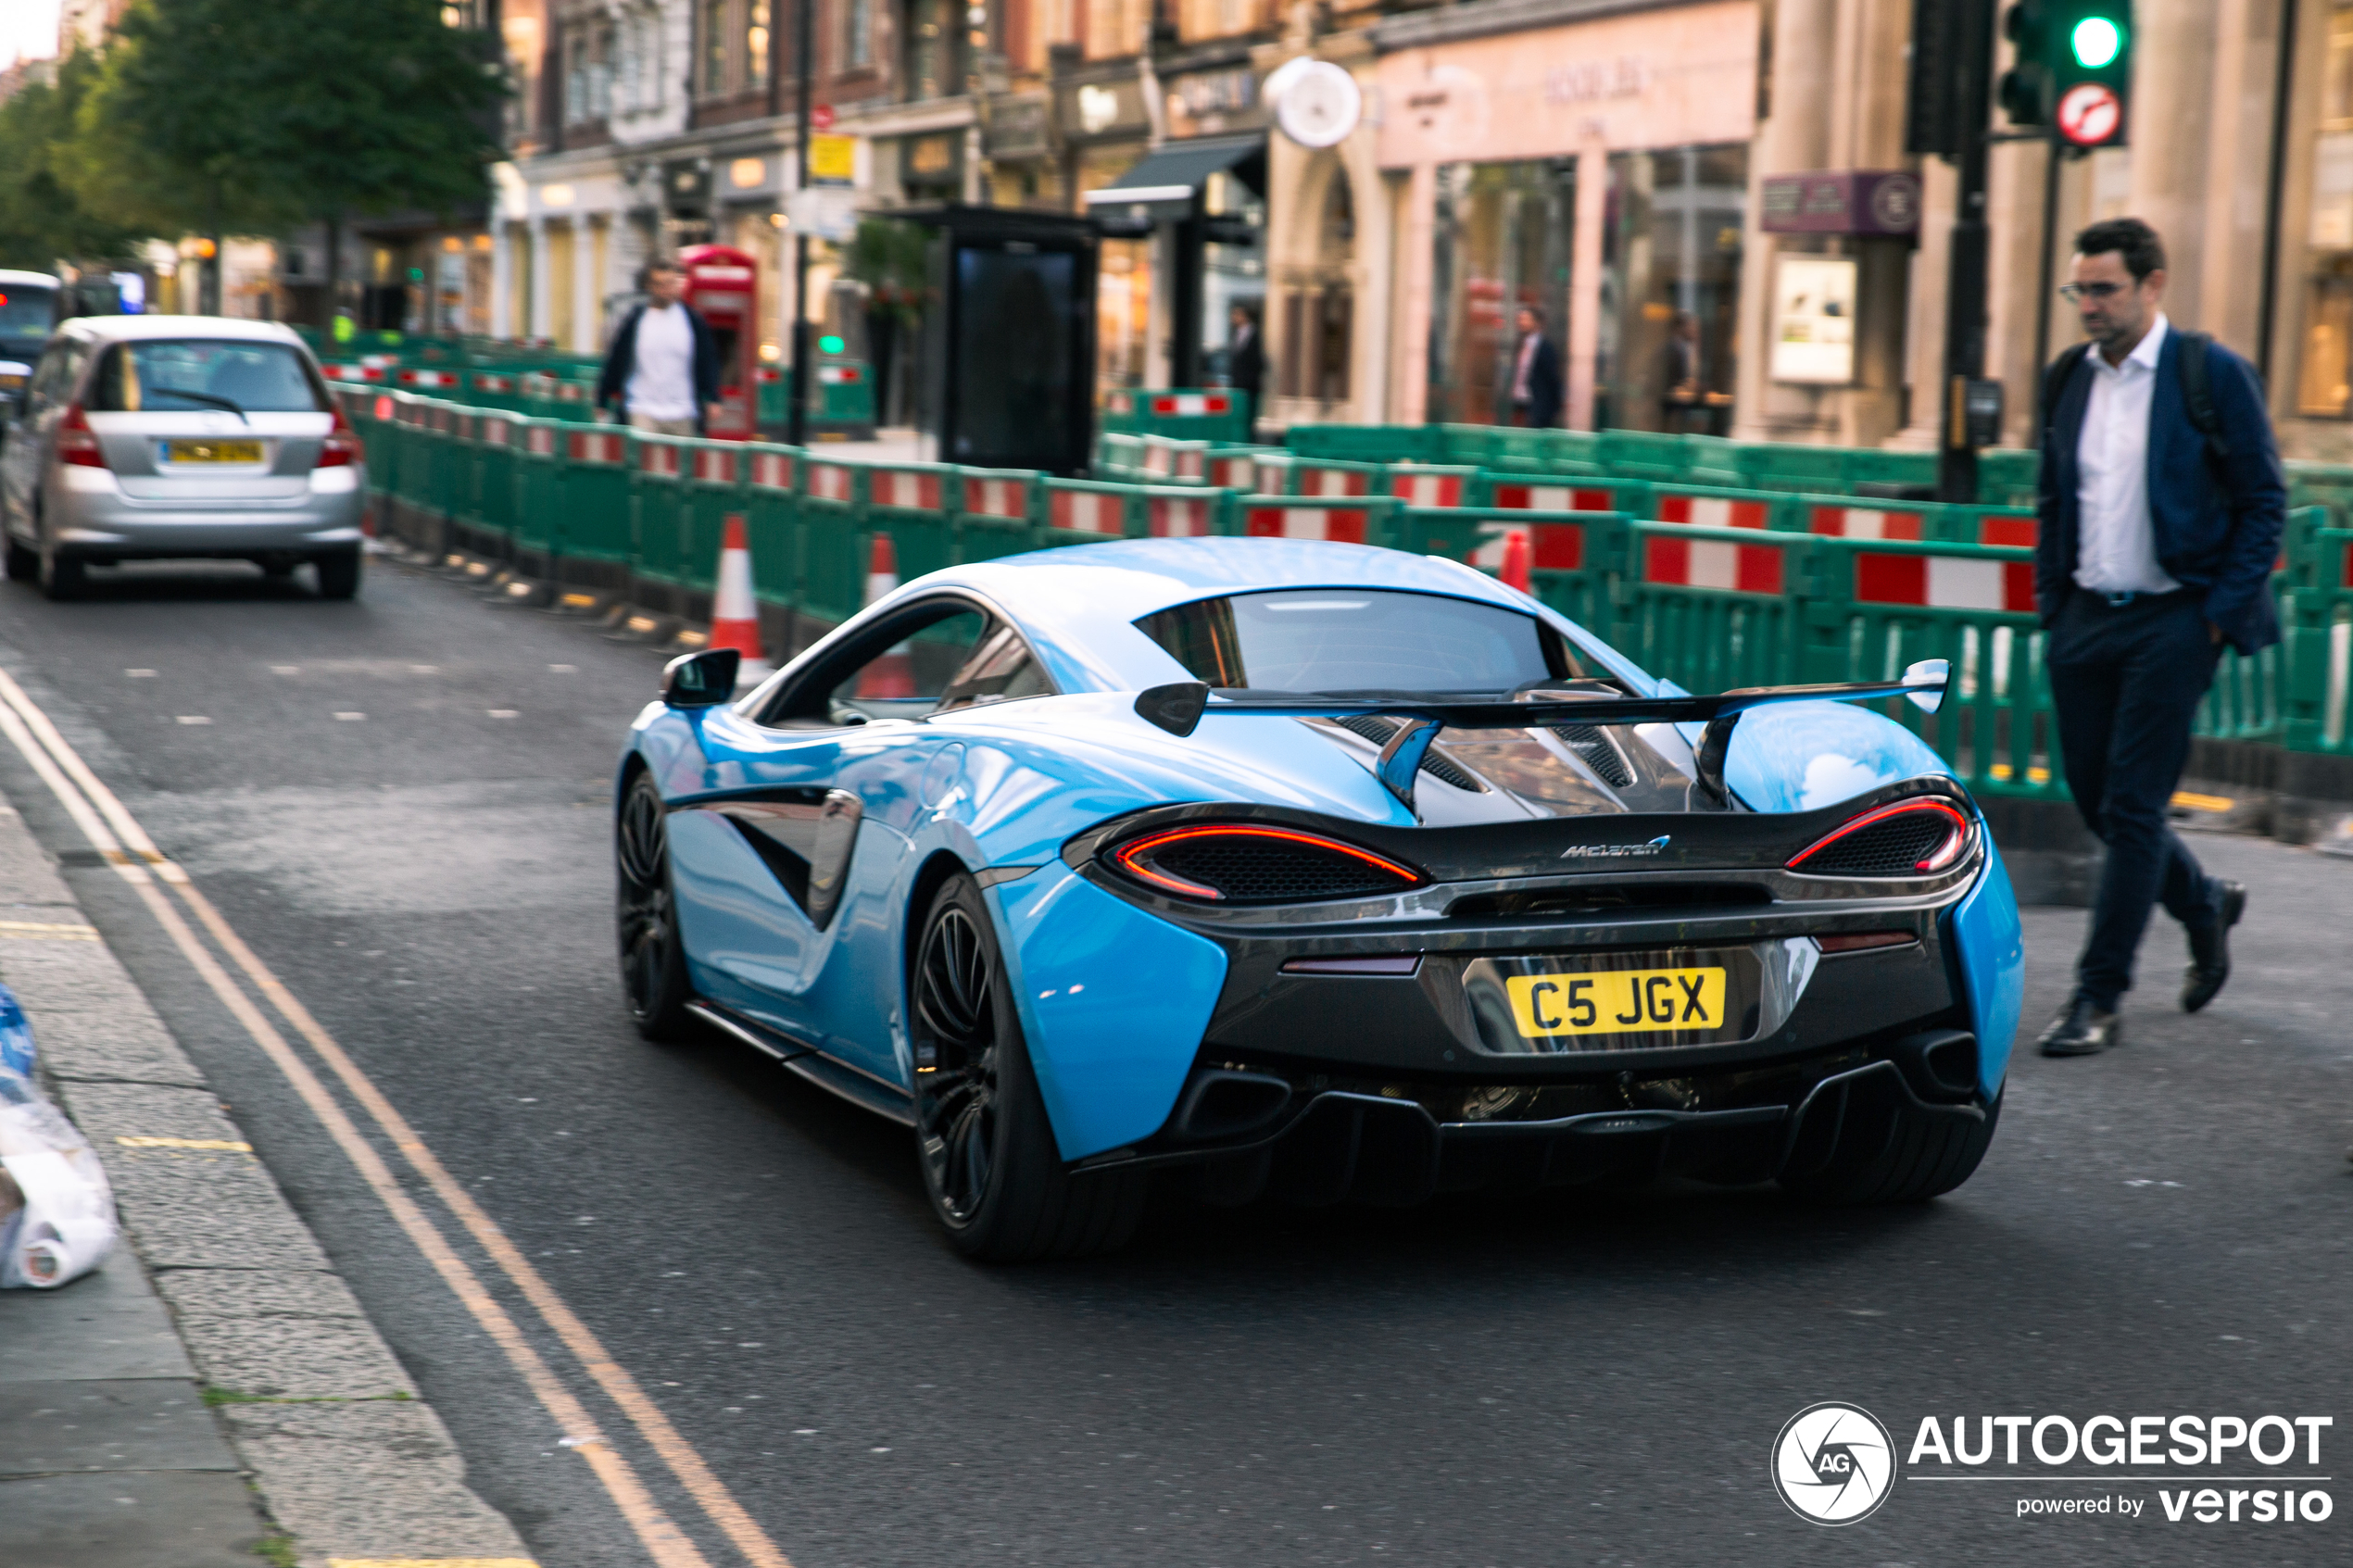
x,y
1834,1464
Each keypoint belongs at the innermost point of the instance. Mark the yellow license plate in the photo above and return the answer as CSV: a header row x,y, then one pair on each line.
x,y
1617,1001
212,451
11,382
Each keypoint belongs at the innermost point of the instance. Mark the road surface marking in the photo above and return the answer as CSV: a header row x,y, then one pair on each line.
x,y
505,712
431,1562
2195,802
118,835
140,674
348,718
193,719
43,931
227,1146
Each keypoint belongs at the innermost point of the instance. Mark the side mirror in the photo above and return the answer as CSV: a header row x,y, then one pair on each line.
x,y
1931,672
701,679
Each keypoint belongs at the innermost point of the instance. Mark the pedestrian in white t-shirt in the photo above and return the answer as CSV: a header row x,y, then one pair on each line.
x,y
662,370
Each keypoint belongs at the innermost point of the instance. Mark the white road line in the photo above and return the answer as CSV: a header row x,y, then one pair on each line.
x,y
140,674
195,719
351,718
504,712
117,834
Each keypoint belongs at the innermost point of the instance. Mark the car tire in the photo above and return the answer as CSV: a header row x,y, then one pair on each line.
x,y
63,576
1902,1157
989,1161
24,563
653,955
338,573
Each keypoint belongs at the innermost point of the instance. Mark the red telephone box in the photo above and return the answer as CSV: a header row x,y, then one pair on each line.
x,y
723,285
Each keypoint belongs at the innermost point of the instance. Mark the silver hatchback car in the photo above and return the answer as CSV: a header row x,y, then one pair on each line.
x,y
154,437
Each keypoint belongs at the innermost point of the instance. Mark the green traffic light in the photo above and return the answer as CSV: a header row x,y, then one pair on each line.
x,y
829,345
2096,42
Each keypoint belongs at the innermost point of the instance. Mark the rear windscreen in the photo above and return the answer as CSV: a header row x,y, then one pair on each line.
x,y
1359,640
181,375
26,312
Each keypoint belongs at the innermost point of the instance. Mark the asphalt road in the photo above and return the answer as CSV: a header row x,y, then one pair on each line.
x,y
1591,1378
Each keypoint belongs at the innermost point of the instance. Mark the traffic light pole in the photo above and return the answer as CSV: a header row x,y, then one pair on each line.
x,y
797,407
1966,280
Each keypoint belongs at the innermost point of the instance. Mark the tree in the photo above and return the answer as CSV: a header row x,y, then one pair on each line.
x,y
43,219
226,116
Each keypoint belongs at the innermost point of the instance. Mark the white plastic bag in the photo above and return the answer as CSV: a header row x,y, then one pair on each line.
x,y
56,1212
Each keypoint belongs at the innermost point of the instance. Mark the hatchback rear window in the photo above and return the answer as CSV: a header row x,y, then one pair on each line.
x,y
26,312
181,375
1360,640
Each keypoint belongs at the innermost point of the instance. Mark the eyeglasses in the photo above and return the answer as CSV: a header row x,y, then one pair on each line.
x,y
2075,294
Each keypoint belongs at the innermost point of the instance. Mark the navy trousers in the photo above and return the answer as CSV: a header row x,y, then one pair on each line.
x,y
2126,681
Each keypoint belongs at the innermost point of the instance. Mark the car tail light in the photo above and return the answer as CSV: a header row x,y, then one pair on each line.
x,y
340,449
1245,863
1909,838
77,443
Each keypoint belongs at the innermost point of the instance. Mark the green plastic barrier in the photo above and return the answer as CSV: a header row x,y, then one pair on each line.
x,y
915,505
835,554
1212,413
1711,608
1370,444
1434,484
658,528
1081,511
596,525
772,525
1578,560
1344,519
488,508
998,512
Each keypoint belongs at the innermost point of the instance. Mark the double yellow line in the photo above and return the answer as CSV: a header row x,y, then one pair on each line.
x,y
118,836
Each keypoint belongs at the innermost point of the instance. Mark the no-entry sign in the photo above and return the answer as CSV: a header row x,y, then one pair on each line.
x,y
2090,114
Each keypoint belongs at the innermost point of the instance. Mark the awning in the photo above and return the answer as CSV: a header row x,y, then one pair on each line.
x,y
1167,183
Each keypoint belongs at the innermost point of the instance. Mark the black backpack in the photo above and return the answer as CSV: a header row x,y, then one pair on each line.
x,y
2197,390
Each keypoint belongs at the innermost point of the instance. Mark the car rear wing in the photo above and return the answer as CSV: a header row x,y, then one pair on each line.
x,y
1180,707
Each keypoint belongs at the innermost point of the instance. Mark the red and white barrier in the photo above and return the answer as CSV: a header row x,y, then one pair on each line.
x,y
492,430
1711,511
1339,525
1233,473
997,498
1087,512
735,613
1426,489
1192,405
1943,581
601,447
1315,481
714,465
912,488
1553,547
485,382
541,441
830,482
1713,563
2013,531
772,471
429,378
1554,498
1269,477
658,460
354,373
1865,522
1174,517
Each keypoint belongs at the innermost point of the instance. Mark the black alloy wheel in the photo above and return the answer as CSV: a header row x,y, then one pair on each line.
x,y
653,959
989,1160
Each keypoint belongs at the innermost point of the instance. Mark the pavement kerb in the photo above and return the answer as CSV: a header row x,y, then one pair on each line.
x,y
325,1425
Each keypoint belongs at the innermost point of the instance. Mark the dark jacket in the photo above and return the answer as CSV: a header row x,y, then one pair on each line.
x,y
620,359
2217,520
1246,364
1544,382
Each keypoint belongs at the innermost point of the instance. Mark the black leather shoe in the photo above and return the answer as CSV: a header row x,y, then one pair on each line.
x,y
2210,951
2081,1030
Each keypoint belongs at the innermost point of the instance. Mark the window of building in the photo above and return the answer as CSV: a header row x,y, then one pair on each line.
x,y
1504,235
715,39
588,48
1671,289
857,34
2324,376
756,42
935,55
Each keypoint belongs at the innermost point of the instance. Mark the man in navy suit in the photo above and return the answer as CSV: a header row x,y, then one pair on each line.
x,y
1536,373
2161,507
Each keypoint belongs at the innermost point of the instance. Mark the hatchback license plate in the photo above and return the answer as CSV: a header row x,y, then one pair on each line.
x,y
212,451
1617,1001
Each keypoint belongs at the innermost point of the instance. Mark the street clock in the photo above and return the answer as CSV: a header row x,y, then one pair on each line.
x,y
1319,106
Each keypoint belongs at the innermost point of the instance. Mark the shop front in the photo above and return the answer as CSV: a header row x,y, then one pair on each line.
x,y
1588,180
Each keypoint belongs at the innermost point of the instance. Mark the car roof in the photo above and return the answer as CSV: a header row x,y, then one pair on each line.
x,y
1082,600
44,280
117,329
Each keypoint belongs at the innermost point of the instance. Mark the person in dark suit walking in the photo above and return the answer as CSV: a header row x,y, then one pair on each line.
x,y
1536,373
1245,356
2161,506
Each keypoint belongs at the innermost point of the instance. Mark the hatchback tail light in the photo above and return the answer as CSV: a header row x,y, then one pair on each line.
x,y
1249,863
77,443
1917,838
340,449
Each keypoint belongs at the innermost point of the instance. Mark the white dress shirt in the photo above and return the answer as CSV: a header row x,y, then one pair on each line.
x,y
662,374
2116,543
1520,391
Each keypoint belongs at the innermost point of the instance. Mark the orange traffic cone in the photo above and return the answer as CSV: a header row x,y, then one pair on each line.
x,y
892,675
735,616
1516,561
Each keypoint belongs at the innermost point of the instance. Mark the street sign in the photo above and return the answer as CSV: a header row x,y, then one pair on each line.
x,y
825,212
2090,114
821,116
832,160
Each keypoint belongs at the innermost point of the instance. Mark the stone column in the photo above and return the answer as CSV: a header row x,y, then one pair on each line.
x,y
2174,78
502,278
543,305
1792,139
1584,325
1924,333
585,295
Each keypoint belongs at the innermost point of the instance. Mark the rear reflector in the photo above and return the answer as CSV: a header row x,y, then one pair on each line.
x,y
1405,963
